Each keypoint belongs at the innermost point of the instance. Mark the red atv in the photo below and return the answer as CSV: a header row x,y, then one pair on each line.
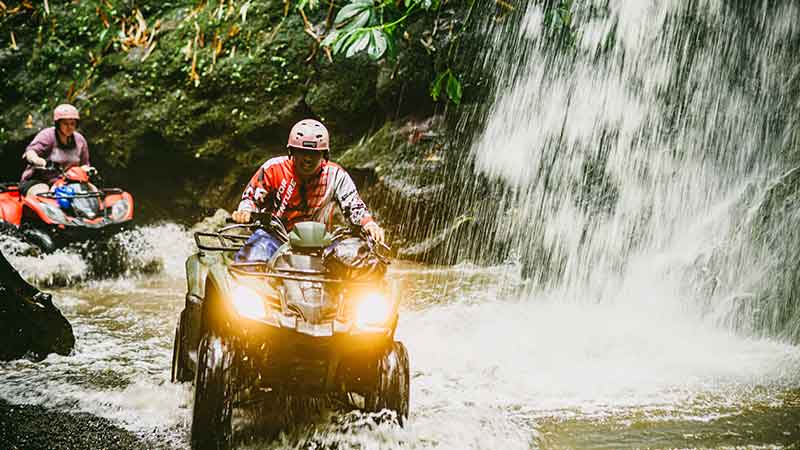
x,y
74,210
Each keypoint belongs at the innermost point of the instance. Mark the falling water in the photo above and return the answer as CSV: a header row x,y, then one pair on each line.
x,y
630,146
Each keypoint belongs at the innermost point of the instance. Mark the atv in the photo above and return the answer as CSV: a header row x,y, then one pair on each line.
x,y
73,210
316,320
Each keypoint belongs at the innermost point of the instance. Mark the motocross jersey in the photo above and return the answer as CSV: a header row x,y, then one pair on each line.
x,y
275,188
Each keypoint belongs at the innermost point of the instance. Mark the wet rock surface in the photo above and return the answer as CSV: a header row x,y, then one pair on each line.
x,y
29,322
32,427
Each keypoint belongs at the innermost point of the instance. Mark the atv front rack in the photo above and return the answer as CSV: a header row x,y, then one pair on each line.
x,y
227,242
95,194
260,269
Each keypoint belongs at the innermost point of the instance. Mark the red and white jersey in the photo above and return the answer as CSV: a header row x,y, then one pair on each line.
x,y
275,188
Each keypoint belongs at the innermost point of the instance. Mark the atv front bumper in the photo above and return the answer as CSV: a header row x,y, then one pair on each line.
x,y
296,362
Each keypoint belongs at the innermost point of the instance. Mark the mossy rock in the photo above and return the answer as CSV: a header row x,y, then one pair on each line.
x,y
343,95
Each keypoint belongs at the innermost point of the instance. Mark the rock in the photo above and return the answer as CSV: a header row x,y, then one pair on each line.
x,y
29,322
33,427
212,223
343,95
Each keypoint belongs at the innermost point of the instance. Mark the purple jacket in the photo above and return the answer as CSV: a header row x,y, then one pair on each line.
x,y
46,145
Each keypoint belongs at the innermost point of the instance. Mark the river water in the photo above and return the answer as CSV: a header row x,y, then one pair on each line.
x,y
492,365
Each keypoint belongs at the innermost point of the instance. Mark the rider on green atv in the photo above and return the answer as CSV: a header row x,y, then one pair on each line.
x,y
304,186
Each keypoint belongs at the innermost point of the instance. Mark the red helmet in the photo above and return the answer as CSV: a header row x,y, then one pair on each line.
x,y
65,111
309,134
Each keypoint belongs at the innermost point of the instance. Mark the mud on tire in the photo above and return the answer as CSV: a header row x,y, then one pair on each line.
x,y
213,395
392,383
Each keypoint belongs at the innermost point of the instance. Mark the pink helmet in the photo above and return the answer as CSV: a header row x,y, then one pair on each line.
x,y
309,134
65,111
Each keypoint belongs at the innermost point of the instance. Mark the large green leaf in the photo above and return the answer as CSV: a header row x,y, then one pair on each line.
x,y
360,42
330,38
454,89
349,11
361,20
377,45
436,86
343,41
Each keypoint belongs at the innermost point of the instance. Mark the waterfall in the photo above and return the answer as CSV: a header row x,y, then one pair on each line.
x,y
637,150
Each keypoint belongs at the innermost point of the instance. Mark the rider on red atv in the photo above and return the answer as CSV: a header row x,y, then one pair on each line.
x,y
60,145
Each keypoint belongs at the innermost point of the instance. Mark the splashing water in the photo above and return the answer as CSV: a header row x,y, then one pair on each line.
x,y
150,249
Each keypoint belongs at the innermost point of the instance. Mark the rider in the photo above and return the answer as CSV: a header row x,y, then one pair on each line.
x,y
59,144
305,185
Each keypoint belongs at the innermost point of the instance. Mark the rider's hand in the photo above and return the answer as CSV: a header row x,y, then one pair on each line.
x,y
34,159
241,216
375,232
89,169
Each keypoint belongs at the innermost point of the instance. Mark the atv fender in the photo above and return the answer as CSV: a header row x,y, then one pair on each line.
x,y
217,288
190,328
196,271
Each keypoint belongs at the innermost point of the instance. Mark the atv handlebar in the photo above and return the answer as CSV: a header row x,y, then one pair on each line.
x,y
272,224
53,167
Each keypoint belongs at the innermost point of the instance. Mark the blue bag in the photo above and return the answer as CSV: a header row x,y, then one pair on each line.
x,y
64,196
259,247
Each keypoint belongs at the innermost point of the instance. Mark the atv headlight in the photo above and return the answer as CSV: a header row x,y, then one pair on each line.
x,y
248,303
373,309
119,210
53,213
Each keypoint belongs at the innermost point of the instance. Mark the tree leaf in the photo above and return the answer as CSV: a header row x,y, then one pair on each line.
x,y
362,19
436,86
343,41
391,50
454,89
360,42
349,11
378,45
330,38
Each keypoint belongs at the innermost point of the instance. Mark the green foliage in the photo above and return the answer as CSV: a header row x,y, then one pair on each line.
x,y
363,25
451,85
375,26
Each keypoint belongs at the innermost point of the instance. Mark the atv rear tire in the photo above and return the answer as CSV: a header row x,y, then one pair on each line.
x,y
213,395
392,383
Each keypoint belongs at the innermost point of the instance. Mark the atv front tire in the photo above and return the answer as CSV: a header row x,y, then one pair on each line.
x,y
40,239
392,383
213,395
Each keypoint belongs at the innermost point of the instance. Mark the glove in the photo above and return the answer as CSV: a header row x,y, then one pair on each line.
x,y
375,232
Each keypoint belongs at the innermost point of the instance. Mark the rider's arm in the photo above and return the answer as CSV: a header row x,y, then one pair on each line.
x,y
256,192
354,209
37,152
84,149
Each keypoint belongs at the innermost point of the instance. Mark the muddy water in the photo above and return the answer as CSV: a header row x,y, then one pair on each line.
x,y
491,367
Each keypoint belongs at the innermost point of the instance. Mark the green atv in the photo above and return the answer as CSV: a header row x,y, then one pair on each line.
x,y
314,321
